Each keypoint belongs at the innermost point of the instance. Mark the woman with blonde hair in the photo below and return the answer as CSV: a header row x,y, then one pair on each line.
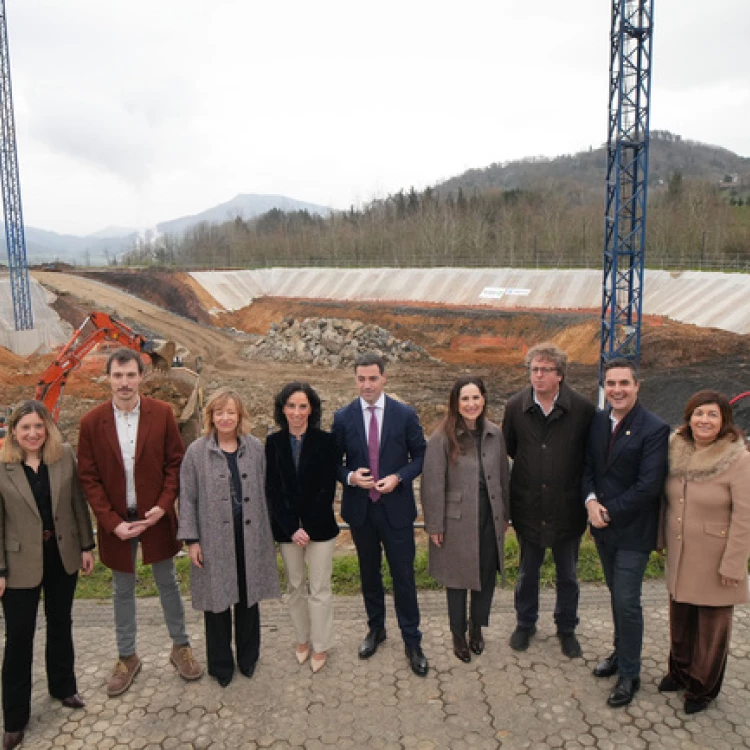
x,y
224,521
45,537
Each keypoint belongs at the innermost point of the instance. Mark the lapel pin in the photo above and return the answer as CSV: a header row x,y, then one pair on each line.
x,y
627,432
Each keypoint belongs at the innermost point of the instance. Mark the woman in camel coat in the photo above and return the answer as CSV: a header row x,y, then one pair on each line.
x,y
707,532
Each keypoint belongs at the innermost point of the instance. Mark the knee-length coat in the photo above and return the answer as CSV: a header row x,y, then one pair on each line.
x,y
450,503
708,522
205,515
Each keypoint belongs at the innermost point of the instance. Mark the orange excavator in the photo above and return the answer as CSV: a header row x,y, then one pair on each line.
x,y
97,327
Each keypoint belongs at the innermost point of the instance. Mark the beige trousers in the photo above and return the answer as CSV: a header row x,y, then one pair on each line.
x,y
311,610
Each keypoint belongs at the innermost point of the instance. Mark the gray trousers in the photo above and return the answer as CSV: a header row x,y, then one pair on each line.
x,y
123,585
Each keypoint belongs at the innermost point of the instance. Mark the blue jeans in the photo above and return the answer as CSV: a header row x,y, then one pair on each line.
x,y
623,571
565,554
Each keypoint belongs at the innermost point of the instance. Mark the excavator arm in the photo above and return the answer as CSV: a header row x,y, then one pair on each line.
x,y
96,328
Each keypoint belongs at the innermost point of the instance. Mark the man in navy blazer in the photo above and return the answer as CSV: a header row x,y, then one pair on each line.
x,y
380,461
626,463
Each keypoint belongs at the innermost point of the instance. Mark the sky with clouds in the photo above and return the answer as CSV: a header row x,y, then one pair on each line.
x,y
130,112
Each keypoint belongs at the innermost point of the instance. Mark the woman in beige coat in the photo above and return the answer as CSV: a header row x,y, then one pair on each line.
x,y
466,506
708,544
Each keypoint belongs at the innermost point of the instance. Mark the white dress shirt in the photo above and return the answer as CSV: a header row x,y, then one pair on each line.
x,y
126,423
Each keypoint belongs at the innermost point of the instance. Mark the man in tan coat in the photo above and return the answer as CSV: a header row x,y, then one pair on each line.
x,y
129,455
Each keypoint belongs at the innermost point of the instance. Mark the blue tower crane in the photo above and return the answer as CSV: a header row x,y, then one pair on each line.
x,y
627,180
14,235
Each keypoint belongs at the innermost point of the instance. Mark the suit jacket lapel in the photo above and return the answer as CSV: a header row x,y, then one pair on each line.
x,y
110,434
144,425
625,435
306,454
385,427
18,477
287,460
55,470
359,424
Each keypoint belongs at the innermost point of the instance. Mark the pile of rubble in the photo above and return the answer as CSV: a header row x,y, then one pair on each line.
x,y
331,342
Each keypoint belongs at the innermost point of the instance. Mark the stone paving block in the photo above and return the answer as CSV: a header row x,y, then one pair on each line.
x,y
502,699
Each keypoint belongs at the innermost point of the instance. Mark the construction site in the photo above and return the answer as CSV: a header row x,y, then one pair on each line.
x,y
251,331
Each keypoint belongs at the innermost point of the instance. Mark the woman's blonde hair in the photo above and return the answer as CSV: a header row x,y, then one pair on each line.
x,y
12,453
216,401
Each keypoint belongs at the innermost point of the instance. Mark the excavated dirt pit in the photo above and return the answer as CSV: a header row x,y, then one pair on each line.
x,y
677,359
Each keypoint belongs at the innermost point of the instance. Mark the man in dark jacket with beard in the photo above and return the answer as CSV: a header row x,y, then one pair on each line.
x,y
546,427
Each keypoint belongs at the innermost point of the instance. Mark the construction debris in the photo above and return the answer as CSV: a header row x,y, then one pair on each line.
x,y
331,342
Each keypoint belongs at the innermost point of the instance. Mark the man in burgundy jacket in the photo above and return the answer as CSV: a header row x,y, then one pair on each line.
x,y
129,455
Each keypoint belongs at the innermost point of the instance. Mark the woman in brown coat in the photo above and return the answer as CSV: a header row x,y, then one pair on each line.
x,y
465,500
708,544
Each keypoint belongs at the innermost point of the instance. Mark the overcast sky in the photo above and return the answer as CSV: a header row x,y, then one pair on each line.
x,y
130,112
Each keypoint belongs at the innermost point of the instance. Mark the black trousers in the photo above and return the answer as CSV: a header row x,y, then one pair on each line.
x,y
219,639
20,608
246,626
370,539
481,601
526,597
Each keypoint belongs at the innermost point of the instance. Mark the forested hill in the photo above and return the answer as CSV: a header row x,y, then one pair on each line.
x,y
669,154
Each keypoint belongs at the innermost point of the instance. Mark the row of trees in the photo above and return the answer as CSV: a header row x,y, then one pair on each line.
x,y
690,223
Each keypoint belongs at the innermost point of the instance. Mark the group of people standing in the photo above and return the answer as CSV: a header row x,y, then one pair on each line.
x,y
617,470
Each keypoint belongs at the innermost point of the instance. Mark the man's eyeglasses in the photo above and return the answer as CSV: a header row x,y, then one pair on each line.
x,y
542,370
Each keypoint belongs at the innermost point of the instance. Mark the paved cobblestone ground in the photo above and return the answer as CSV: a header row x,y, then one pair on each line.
x,y
538,699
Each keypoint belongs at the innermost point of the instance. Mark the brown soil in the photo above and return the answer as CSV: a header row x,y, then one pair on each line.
x,y
677,359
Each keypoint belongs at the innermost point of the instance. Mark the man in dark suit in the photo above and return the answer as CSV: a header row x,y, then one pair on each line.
x,y
383,446
129,456
626,463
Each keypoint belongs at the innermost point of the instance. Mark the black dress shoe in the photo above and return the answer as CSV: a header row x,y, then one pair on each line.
x,y
476,639
73,701
461,648
693,707
607,667
223,680
624,691
12,739
668,684
371,642
248,671
417,661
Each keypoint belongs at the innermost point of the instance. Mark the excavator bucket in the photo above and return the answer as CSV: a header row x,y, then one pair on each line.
x,y
161,355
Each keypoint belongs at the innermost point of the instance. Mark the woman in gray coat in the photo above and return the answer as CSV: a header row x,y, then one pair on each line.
x,y
224,521
466,504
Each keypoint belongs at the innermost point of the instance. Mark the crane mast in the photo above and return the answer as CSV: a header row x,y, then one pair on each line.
x,y
627,180
15,238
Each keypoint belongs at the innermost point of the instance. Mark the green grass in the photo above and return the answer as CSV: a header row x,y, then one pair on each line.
x,y
346,572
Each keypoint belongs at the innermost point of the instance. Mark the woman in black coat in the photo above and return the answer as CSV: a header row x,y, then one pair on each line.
x,y
300,486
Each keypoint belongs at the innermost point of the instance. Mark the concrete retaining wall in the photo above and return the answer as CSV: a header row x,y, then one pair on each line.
x,y
49,331
716,300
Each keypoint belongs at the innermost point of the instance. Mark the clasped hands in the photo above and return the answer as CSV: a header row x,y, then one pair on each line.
x,y
595,509
363,478
132,529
